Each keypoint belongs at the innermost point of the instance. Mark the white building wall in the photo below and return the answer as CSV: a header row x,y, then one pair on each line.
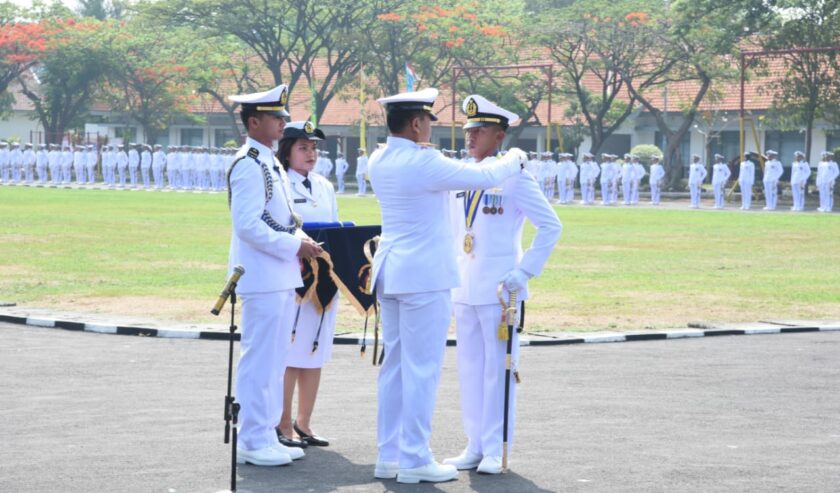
x,y
20,126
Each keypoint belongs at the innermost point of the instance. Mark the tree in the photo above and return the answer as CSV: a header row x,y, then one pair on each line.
x,y
587,57
809,89
454,34
690,46
69,71
289,39
102,9
226,69
151,89
22,41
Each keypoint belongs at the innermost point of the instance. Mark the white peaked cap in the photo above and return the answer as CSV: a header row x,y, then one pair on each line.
x,y
482,112
412,101
272,101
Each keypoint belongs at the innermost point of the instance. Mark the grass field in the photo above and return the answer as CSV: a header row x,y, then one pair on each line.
x,y
164,255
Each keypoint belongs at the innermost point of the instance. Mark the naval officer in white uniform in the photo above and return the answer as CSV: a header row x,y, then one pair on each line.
x,y
267,241
414,270
495,218
313,197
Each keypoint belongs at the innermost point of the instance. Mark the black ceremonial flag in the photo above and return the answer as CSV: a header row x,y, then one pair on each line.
x,y
349,266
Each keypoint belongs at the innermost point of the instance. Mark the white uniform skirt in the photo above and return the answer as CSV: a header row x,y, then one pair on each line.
x,y
300,350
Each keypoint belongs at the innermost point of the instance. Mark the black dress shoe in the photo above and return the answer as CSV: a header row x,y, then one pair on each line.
x,y
290,442
313,440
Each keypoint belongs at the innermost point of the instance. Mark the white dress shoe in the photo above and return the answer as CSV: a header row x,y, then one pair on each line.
x,y
431,473
467,460
386,470
294,452
266,456
490,465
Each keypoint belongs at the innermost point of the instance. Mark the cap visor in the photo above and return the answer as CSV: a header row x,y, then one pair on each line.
x,y
480,124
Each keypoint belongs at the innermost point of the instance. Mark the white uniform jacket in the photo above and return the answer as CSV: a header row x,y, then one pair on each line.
x,y
720,173
416,252
497,248
773,170
696,173
800,171
269,256
319,205
657,173
746,174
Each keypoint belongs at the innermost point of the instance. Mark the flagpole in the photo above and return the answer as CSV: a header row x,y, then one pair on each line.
x,y
314,101
362,100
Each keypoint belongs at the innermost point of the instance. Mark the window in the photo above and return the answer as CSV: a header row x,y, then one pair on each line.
x,y
222,135
785,143
727,144
616,144
832,139
192,137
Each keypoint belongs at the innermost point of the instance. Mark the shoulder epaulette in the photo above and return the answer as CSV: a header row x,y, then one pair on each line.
x,y
253,153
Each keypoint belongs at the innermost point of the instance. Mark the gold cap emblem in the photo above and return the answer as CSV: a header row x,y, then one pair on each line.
x,y
284,98
472,108
308,128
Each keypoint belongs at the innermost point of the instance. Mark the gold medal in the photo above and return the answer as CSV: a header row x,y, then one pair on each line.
x,y
469,238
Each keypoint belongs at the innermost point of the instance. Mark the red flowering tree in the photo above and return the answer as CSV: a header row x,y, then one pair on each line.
x,y
21,43
436,38
149,72
66,74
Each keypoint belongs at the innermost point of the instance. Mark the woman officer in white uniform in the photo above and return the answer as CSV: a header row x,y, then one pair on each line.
x,y
313,197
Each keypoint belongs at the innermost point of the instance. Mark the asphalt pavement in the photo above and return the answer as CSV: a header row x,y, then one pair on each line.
x,y
86,412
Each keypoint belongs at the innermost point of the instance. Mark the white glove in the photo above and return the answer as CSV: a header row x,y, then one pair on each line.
x,y
516,280
518,154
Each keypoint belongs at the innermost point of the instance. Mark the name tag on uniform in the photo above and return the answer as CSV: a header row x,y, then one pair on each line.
x,y
459,195
300,201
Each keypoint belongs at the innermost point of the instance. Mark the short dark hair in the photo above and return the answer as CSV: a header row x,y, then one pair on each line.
x,y
398,120
247,113
284,150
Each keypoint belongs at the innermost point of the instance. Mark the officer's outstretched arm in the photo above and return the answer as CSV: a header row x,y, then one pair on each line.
x,y
441,173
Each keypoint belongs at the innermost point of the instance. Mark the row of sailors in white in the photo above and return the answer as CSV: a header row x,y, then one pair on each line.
x,y
827,174
20,165
324,167
47,163
181,167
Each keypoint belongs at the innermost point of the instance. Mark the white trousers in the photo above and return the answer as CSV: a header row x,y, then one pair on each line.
x,y
746,195
719,194
825,197
481,374
798,191
588,194
414,328
694,190
562,191
266,330
605,193
634,192
340,179
771,194
570,193
614,194
145,174
655,193
360,179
